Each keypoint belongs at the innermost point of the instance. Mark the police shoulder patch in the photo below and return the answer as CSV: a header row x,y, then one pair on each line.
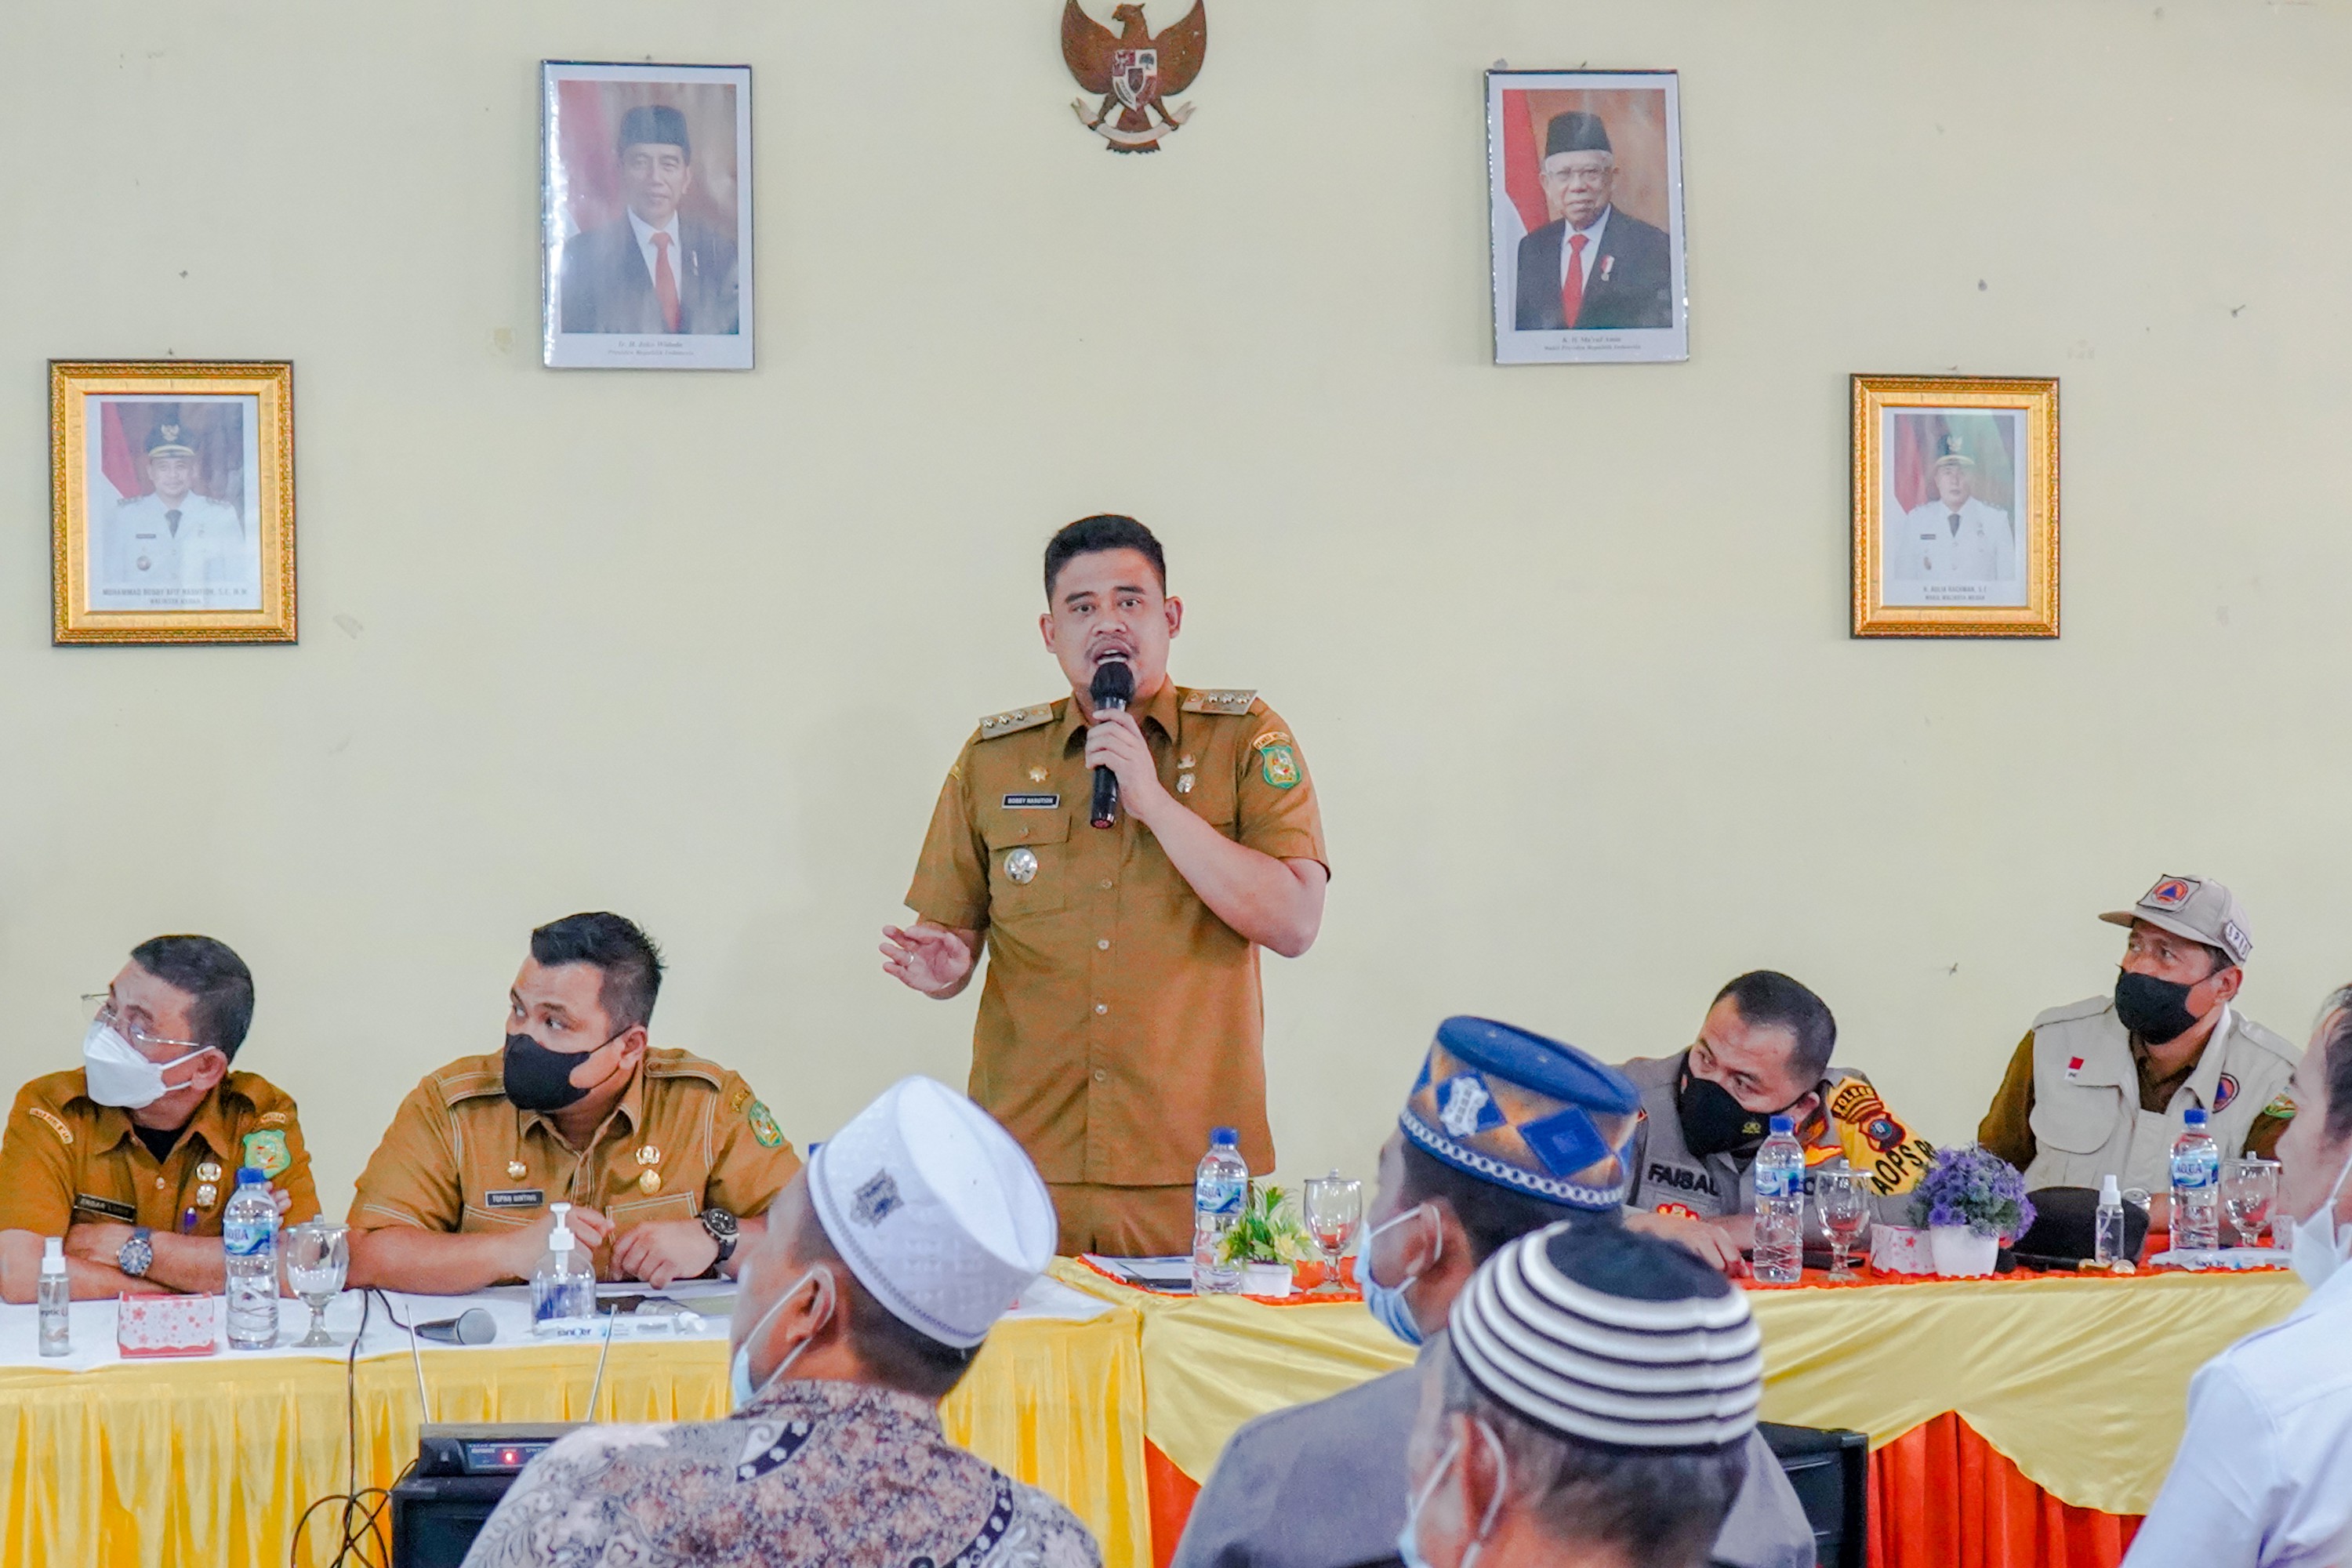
x,y
1222,701
763,1126
1016,721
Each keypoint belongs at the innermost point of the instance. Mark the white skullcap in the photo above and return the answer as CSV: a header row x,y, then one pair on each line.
x,y
1630,1353
935,1208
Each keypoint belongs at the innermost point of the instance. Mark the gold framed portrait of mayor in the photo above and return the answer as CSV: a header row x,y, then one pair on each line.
x,y
1955,506
172,501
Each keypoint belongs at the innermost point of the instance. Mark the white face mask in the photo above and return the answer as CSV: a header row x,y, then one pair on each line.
x,y
119,1075
740,1386
2317,1251
1409,1538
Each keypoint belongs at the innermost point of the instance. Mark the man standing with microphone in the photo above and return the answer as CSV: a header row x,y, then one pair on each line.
x,y
1122,1018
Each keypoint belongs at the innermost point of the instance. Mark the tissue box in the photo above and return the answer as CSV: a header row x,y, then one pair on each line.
x,y
1900,1249
167,1325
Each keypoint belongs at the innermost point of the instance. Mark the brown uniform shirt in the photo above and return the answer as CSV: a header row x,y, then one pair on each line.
x,y
64,1157
1121,1020
460,1156
2008,1128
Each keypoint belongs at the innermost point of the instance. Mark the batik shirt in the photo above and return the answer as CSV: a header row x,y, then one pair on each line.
x,y
812,1472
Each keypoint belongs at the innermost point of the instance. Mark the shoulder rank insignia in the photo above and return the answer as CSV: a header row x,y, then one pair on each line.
x,y
1019,718
1219,702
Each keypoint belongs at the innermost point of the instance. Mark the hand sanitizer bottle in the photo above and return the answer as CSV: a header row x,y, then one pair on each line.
x,y
565,1287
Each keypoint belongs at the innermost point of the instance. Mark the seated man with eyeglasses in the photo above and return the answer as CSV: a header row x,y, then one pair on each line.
x,y
131,1156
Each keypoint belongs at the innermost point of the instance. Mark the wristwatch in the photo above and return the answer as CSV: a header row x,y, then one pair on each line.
x,y
722,1229
138,1254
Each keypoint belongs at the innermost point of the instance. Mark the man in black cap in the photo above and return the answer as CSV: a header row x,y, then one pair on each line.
x,y
1595,1403
658,271
1506,1133
1595,267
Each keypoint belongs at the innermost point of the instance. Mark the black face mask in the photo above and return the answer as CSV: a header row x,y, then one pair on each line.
x,y
2156,1010
540,1080
1714,1122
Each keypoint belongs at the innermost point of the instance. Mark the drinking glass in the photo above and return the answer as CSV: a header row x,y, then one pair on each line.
x,y
1334,1209
1844,1199
317,1256
2249,1188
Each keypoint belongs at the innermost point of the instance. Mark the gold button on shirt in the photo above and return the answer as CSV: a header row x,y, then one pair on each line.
x,y
1120,1019
688,1135
64,1157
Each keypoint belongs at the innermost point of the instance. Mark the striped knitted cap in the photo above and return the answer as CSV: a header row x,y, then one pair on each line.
x,y
1613,1337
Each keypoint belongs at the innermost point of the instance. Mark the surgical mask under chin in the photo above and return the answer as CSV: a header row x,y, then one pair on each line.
x,y
2156,1010
1386,1303
120,1076
739,1387
2317,1251
1409,1539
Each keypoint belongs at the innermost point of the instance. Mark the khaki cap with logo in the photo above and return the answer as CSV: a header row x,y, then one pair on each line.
x,y
2196,908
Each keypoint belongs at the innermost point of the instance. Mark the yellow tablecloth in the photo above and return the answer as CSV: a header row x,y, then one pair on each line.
x,y
211,1461
2082,1381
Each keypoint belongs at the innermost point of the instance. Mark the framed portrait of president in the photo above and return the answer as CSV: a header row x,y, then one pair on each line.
x,y
1584,192
646,216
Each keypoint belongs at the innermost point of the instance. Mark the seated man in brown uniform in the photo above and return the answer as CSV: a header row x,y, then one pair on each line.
x,y
131,1156
666,1159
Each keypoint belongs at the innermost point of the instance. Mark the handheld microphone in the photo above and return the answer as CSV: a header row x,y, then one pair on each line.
x,y
471,1327
1114,684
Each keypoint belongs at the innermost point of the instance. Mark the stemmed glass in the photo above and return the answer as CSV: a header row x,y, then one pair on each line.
x,y
1334,1209
2249,1188
1844,1199
317,1256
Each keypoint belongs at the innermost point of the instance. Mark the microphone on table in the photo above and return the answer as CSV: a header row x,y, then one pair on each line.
x,y
1114,684
471,1327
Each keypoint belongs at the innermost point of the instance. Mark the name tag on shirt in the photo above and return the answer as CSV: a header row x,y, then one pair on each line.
x,y
2073,1069
1032,802
516,1199
107,1206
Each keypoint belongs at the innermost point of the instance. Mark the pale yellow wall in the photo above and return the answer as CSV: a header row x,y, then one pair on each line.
x,y
1565,646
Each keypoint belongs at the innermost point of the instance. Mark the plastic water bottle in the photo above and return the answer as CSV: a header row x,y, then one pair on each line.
x,y
565,1287
249,1241
2107,1228
1219,1188
2196,1187
54,1294
1779,1257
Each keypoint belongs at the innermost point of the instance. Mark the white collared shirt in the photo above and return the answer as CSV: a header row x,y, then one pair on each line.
x,y
1591,248
646,248
2263,1477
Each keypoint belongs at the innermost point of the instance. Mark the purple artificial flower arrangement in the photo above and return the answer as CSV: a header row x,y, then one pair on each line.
x,y
1972,1186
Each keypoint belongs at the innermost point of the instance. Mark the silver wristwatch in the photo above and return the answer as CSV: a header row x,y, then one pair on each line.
x,y
138,1254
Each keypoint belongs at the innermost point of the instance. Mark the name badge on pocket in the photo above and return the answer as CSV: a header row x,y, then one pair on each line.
x,y
107,1206
516,1199
1032,802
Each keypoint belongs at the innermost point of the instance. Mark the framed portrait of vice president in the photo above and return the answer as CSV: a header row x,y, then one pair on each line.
x,y
646,215
1584,195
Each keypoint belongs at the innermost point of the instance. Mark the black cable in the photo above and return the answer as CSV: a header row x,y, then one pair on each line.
x,y
362,1507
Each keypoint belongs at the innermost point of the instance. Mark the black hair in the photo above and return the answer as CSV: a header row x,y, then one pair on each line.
x,y
211,974
1492,1216
1769,999
1104,530
897,1355
631,963
2335,1056
1659,1508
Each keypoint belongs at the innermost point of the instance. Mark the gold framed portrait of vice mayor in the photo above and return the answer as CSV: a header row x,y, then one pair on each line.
x,y
1955,506
172,501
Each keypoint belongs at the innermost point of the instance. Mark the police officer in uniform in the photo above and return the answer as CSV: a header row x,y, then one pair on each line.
x,y
131,1156
1763,1050
668,1159
1505,1132
1955,536
176,547
1122,1018
2098,1089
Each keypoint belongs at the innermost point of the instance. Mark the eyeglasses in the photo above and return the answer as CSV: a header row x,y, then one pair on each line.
x,y
100,1005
